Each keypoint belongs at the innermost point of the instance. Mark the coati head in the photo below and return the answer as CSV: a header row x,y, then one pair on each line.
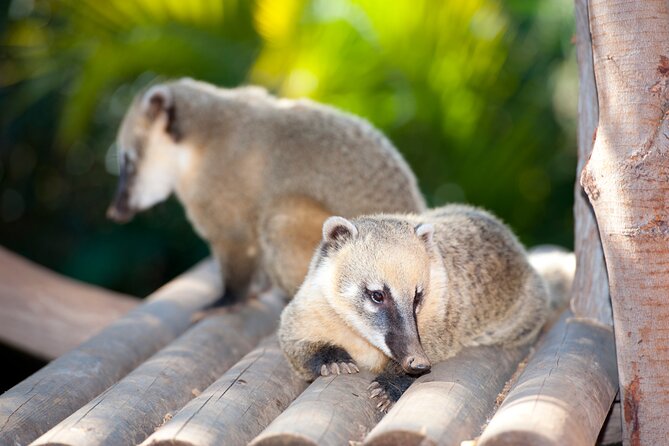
x,y
378,269
150,156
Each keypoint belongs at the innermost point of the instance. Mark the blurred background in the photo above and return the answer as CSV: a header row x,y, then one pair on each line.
x,y
480,97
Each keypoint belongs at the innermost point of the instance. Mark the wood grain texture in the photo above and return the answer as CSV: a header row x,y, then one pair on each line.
x,y
46,398
590,292
452,402
563,395
238,406
47,314
130,410
627,182
332,411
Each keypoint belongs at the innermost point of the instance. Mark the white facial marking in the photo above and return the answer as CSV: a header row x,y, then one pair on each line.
x,y
185,157
159,169
324,280
376,339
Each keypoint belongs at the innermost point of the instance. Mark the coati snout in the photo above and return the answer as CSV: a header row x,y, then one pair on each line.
x,y
120,210
406,349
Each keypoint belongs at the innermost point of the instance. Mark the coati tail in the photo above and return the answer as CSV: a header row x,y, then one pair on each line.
x,y
557,267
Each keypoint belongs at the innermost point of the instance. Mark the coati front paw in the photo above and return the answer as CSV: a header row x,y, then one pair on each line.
x,y
378,392
331,360
388,388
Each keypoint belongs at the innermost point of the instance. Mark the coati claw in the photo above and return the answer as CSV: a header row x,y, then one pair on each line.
x,y
378,391
384,405
340,368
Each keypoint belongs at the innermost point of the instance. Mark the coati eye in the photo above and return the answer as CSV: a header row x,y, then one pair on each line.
x,y
376,296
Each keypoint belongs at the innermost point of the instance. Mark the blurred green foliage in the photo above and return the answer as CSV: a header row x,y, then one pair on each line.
x,y
479,96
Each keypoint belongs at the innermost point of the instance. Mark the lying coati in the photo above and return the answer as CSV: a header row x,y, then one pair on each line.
x,y
257,175
396,293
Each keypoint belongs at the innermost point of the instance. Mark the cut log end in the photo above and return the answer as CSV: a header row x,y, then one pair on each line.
x,y
403,437
286,439
523,437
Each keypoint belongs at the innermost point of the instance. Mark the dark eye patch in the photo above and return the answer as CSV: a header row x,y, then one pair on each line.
x,y
418,298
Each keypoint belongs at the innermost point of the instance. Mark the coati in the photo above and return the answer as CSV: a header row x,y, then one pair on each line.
x,y
257,175
397,293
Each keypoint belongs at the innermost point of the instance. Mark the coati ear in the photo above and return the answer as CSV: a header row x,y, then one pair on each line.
x,y
337,229
158,100
425,231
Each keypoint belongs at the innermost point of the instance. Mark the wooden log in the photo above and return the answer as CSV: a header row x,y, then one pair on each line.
x,y
451,403
130,410
47,314
46,398
334,410
627,182
590,292
560,398
612,432
238,406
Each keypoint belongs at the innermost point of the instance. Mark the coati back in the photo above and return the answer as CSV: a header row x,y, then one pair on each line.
x,y
257,175
395,293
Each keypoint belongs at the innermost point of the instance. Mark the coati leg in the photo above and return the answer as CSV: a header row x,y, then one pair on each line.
x,y
389,385
290,229
237,264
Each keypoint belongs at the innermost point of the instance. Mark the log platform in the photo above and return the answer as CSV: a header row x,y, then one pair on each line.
x,y
156,377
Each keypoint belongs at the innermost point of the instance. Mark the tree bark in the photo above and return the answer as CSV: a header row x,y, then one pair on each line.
x,y
627,182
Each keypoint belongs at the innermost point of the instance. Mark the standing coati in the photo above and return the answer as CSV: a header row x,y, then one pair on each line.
x,y
396,293
257,175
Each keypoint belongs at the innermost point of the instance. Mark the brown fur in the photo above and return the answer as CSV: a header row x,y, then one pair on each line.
x,y
258,175
478,288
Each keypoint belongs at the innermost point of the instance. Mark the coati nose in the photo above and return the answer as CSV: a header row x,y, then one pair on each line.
x,y
417,365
